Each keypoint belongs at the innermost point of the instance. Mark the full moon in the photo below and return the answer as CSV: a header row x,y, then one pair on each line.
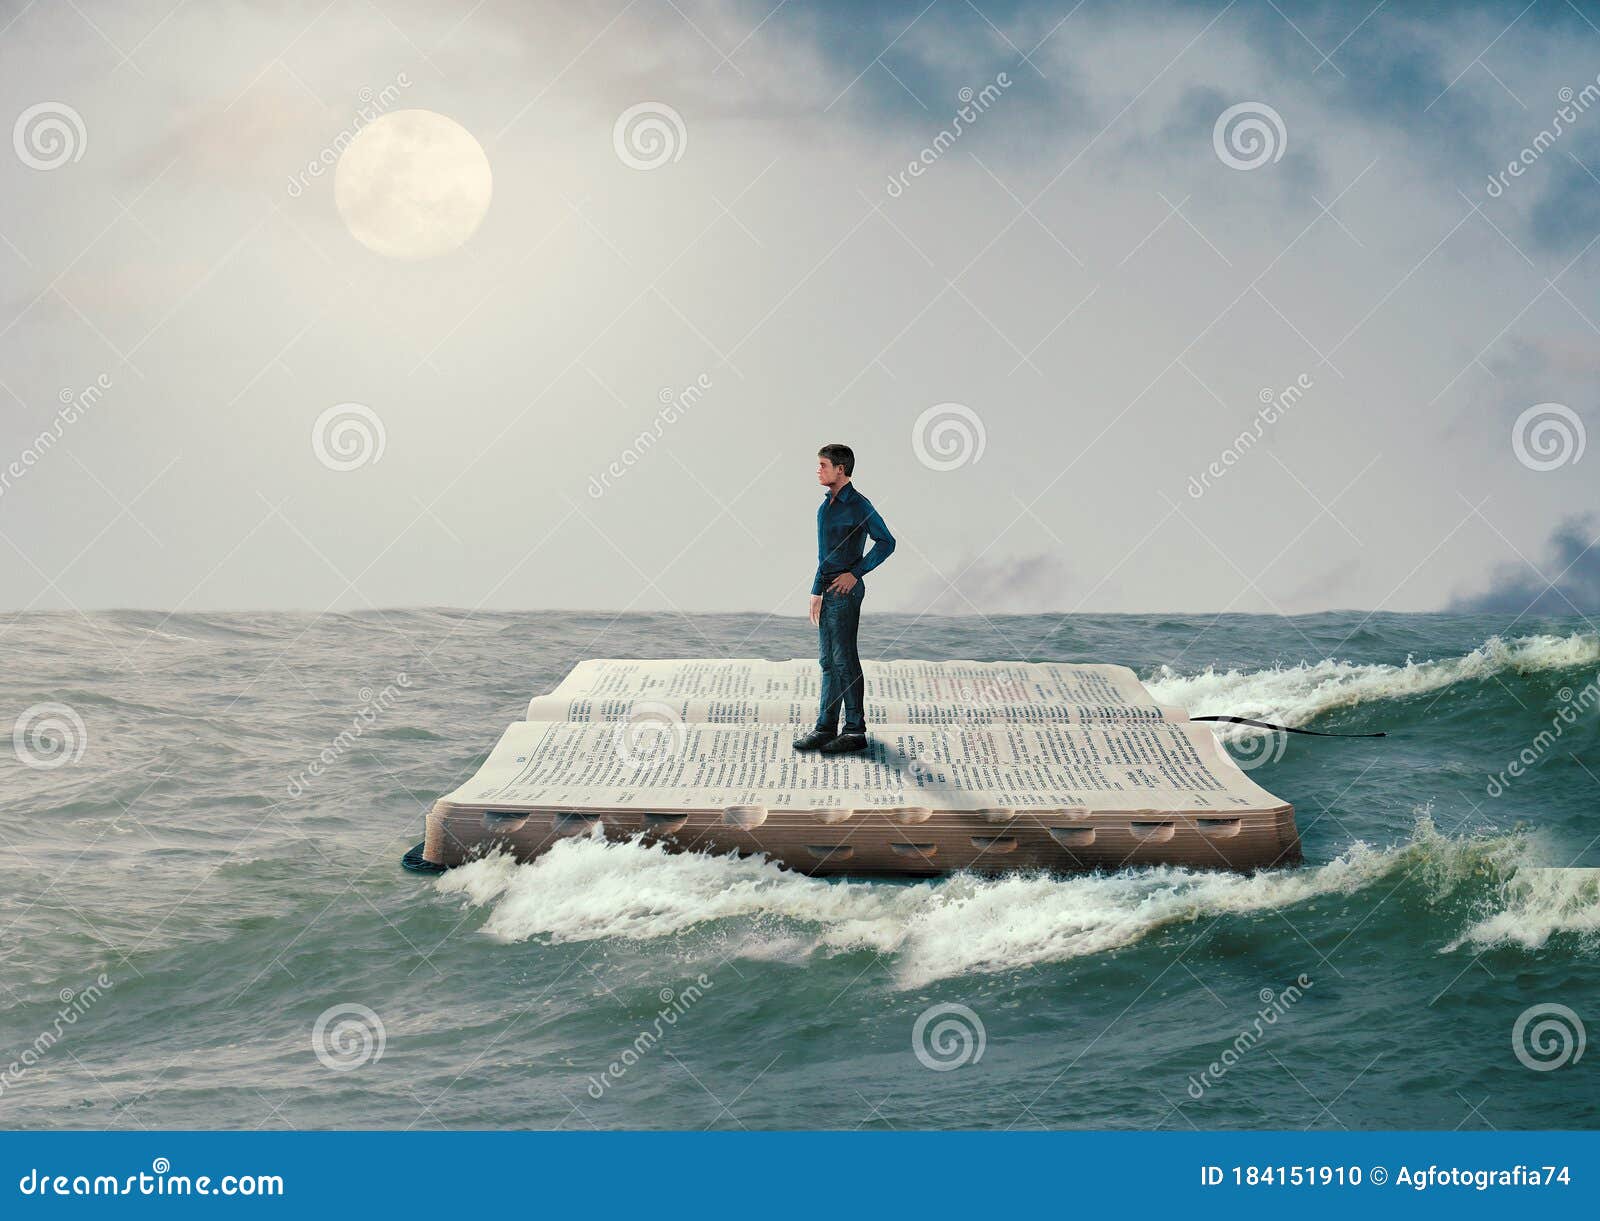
x,y
413,185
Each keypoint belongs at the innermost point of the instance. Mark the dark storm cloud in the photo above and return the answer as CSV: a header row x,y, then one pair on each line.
x,y
903,65
1382,63
1572,569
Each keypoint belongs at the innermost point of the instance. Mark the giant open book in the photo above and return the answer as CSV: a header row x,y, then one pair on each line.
x,y
989,766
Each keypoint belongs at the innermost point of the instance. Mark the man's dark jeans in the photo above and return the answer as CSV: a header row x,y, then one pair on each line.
x,y
842,682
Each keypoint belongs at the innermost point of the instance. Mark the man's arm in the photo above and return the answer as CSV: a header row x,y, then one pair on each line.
x,y
816,581
882,545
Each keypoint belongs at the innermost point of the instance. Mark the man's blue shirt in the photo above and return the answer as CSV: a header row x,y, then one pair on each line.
x,y
844,523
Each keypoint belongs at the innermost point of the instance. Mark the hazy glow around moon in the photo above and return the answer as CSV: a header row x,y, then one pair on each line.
x,y
413,184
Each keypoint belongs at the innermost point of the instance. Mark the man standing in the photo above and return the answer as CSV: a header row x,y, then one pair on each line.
x,y
845,520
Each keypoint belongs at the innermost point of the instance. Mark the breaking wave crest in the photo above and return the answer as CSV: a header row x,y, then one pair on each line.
x,y
1299,693
588,889
1534,905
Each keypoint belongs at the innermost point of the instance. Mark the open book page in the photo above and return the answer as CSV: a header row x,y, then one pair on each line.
x,y
742,691
802,713
1112,766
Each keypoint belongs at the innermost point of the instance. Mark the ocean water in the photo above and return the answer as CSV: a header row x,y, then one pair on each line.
x,y
205,923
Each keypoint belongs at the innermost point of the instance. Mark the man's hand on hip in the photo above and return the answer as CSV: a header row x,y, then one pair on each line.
x,y
843,583
816,610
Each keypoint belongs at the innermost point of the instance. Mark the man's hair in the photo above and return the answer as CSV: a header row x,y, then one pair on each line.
x,y
840,455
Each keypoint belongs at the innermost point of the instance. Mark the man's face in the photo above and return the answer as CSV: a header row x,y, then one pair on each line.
x,y
827,473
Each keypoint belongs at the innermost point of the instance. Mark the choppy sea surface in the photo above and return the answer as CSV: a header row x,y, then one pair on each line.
x,y
205,923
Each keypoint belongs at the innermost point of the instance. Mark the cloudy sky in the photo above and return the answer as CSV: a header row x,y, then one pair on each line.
x,y
224,385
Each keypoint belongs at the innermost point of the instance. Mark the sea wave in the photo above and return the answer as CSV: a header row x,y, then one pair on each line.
x,y
590,889
1299,693
1534,905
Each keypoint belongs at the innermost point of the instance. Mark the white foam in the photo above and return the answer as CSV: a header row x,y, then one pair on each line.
x,y
1534,905
1298,693
588,889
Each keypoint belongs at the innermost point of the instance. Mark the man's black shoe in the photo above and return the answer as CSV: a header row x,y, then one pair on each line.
x,y
817,739
847,744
